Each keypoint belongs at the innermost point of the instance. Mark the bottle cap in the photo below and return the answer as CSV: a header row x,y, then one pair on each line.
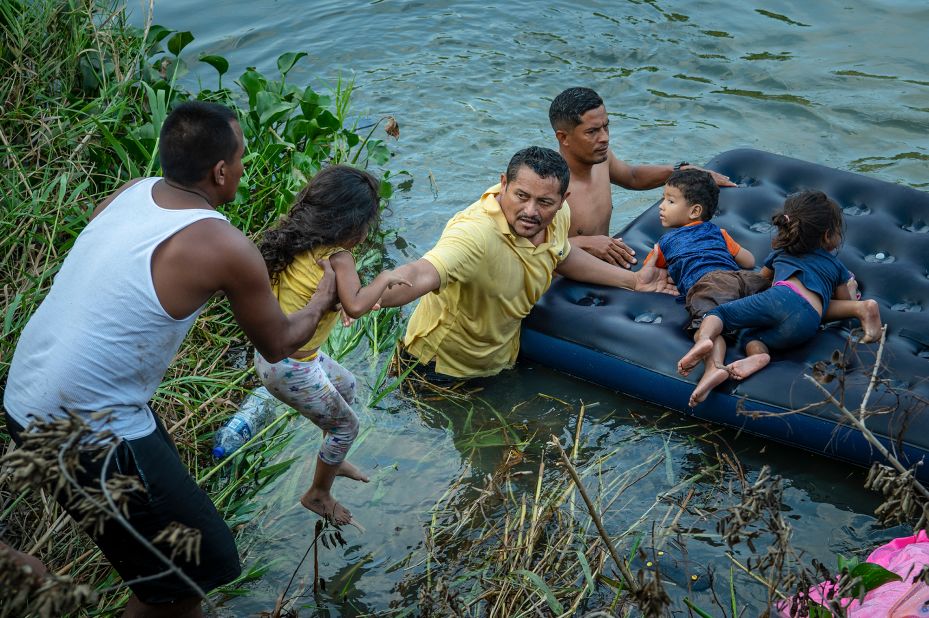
x,y
219,452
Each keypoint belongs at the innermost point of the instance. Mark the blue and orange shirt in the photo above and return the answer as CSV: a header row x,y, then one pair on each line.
x,y
694,250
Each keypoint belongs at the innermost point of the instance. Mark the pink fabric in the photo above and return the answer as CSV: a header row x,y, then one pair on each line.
x,y
905,556
793,287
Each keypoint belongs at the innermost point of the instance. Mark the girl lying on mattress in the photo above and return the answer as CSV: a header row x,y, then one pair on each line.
x,y
809,282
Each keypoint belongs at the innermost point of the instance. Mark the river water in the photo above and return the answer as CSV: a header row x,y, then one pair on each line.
x,y
845,84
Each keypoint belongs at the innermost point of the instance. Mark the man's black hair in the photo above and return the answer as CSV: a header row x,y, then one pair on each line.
x,y
697,187
566,110
545,162
194,137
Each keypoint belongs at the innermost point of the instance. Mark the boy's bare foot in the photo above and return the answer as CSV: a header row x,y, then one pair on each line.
x,y
712,378
744,367
350,471
696,354
870,316
323,504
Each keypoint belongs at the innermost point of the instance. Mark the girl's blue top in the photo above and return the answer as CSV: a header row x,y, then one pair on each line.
x,y
819,271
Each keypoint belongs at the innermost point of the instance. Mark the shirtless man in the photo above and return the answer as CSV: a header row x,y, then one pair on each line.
x,y
581,127
130,288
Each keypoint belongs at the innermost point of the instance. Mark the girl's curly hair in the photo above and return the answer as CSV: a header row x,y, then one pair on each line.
x,y
338,207
807,219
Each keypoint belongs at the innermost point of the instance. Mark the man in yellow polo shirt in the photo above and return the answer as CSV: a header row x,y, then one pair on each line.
x,y
493,262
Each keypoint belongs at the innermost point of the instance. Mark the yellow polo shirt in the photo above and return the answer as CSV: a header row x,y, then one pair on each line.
x,y
297,283
490,280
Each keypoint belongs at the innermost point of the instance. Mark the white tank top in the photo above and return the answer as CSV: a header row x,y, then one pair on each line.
x,y
101,339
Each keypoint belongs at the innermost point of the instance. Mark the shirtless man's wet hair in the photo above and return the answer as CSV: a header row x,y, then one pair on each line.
x,y
194,137
567,108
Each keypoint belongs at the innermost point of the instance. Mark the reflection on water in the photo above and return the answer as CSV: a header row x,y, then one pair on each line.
x,y
470,83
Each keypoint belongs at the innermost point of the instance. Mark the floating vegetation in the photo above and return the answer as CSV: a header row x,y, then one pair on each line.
x,y
757,94
780,17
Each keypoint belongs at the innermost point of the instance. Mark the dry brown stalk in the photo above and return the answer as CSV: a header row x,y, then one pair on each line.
x,y
622,565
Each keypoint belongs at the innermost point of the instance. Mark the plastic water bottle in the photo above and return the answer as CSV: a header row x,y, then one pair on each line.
x,y
258,411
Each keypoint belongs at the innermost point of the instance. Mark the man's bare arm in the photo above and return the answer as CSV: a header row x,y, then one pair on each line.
x,y
244,279
422,277
641,177
582,266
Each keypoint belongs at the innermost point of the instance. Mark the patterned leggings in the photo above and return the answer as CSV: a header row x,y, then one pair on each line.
x,y
321,390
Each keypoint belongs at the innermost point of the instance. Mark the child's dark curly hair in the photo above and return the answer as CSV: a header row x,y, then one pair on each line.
x,y
697,187
808,219
338,207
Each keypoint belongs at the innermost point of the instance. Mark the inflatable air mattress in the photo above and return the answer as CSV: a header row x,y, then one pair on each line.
x,y
631,341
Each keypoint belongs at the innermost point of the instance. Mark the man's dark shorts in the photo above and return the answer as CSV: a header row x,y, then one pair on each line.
x,y
718,287
171,496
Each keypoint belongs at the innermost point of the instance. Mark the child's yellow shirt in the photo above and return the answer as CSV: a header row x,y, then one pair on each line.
x,y
297,283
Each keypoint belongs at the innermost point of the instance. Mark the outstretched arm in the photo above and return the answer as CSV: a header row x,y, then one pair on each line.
x,y
582,266
639,177
355,299
420,278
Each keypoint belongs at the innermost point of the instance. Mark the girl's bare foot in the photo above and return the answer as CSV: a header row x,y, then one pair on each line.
x,y
696,354
870,316
712,378
350,471
744,367
323,504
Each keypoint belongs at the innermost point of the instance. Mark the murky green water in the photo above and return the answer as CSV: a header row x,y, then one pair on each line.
x,y
843,84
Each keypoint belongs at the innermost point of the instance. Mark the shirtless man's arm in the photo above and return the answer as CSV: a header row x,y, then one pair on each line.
x,y
642,177
592,204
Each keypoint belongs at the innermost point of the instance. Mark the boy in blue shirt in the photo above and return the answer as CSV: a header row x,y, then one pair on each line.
x,y
707,265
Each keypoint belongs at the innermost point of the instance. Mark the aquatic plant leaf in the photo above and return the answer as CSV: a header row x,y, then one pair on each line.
x,y
326,120
156,34
588,574
179,41
271,108
253,82
696,609
217,62
378,152
285,62
818,611
846,564
872,576
539,583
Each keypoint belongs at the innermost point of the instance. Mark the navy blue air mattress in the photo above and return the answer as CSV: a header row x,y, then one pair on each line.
x,y
631,341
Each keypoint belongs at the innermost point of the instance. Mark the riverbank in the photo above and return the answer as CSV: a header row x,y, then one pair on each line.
x,y
83,102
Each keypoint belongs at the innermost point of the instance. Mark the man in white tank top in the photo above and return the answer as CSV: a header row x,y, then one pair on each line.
x,y
151,257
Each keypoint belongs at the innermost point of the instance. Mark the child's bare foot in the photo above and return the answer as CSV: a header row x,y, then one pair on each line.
x,y
696,354
744,367
350,471
870,316
323,504
712,378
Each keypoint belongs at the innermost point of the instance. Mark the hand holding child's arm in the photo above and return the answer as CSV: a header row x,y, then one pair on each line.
x,y
357,300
